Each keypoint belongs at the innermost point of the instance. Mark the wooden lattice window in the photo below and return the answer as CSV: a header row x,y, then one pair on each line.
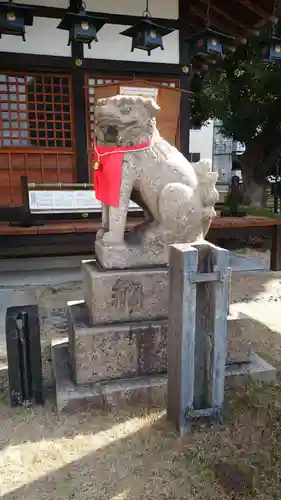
x,y
92,82
35,111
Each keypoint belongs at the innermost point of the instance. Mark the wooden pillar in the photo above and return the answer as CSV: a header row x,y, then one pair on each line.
x,y
275,261
184,11
79,109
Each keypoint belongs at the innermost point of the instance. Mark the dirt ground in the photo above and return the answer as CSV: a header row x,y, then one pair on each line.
x,y
136,455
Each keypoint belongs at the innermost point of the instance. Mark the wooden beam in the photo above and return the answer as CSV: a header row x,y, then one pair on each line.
x,y
229,17
254,7
35,63
195,11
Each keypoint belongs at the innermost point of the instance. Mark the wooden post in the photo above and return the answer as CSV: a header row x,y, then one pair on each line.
x,y
275,258
197,337
24,195
26,218
185,78
79,107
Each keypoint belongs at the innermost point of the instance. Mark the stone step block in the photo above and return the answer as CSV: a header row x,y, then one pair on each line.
x,y
144,391
239,347
125,295
107,352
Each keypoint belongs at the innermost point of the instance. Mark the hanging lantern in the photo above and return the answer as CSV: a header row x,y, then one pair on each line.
x,y
208,43
82,27
14,18
147,35
272,44
272,49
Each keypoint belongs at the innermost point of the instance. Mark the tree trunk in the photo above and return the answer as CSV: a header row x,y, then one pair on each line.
x,y
255,194
256,166
253,182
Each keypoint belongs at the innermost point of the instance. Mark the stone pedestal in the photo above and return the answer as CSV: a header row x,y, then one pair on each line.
x,y
119,350
131,254
129,349
125,295
116,351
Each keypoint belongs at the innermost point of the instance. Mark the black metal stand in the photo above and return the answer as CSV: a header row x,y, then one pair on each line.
x,y
24,355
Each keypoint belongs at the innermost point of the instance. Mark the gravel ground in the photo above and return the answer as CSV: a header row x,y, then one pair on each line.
x,y
136,455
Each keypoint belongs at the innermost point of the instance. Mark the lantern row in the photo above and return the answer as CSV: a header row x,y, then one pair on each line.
x,y
146,34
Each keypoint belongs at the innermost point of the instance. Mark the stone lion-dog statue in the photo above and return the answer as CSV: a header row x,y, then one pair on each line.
x,y
177,197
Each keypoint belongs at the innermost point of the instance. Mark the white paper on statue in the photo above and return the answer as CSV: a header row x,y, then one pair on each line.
x,y
61,201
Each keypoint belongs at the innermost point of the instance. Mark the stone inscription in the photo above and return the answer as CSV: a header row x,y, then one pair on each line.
x,y
127,295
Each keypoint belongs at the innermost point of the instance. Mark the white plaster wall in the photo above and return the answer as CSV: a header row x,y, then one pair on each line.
x,y
222,165
201,140
62,4
44,37
159,8
167,9
41,38
112,45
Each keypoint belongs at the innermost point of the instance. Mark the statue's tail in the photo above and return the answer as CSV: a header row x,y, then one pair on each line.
x,y
207,187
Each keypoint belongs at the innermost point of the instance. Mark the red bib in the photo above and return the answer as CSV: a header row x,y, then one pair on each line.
x,y
107,174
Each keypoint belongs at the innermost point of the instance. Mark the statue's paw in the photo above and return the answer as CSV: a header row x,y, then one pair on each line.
x,y
110,239
100,234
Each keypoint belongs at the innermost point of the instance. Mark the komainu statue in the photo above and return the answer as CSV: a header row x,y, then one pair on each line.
x,y
133,162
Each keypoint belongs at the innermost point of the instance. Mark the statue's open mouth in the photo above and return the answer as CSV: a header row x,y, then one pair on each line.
x,y
111,134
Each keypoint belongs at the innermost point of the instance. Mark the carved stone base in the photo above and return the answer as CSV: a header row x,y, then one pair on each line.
x,y
140,391
108,352
131,349
125,295
132,254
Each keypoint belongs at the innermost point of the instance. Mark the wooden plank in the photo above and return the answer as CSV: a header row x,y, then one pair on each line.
x,y
226,233
248,221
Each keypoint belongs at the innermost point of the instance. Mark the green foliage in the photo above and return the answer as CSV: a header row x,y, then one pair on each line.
x,y
244,92
260,212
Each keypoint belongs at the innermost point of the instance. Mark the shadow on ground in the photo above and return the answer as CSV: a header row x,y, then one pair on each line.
x,y
136,454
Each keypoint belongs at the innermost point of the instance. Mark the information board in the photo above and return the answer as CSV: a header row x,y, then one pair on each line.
x,y
61,201
151,93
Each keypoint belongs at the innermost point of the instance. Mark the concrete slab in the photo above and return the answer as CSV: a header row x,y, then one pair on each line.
x,y
241,264
59,270
43,263
41,271
142,390
43,277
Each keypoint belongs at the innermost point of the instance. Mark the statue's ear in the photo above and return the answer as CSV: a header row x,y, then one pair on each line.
x,y
152,107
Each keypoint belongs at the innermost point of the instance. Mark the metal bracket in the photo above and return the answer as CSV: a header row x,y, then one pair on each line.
x,y
205,277
211,413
